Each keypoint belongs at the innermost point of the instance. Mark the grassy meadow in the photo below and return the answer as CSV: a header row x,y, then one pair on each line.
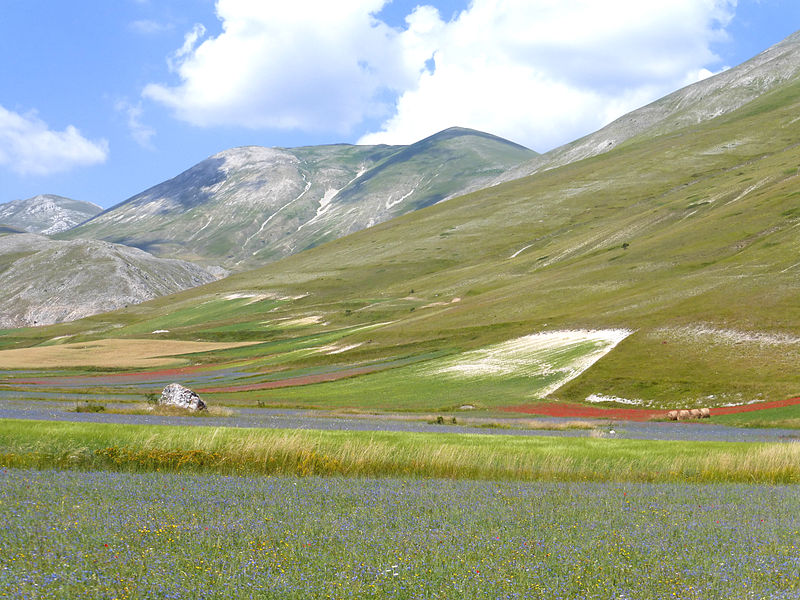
x,y
152,536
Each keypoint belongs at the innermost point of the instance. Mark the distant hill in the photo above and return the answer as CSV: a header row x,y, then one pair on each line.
x,y
46,214
248,206
43,281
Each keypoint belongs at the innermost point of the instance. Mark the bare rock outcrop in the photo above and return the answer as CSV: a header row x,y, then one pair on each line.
x,y
177,395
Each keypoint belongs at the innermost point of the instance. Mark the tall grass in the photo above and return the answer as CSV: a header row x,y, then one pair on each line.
x,y
400,454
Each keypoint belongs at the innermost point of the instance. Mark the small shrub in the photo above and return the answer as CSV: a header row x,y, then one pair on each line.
x,y
152,398
89,407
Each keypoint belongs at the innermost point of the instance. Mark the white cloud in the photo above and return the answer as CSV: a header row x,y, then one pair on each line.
x,y
141,133
303,64
541,72
29,147
545,72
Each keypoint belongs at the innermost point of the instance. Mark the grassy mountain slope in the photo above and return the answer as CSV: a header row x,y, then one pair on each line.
x,y
248,206
688,241
46,214
43,281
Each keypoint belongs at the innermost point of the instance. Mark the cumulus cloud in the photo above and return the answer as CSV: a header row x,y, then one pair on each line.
x,y
544,72
304,64
541,72
29,147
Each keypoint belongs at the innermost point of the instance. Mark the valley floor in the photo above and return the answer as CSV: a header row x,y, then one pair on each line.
x,y
122,413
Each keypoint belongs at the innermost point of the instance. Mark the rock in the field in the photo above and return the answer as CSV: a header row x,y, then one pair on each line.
x,y
177,395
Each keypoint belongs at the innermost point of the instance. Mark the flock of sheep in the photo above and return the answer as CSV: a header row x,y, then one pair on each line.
x,y
683,415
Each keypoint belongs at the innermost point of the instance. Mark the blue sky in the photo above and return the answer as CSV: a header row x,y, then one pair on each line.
x,y
104,98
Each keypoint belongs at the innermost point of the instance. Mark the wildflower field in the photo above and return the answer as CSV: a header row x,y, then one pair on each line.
x,y
71,534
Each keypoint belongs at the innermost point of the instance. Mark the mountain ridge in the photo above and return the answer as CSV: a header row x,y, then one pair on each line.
x,y
707,99
47,214
250,205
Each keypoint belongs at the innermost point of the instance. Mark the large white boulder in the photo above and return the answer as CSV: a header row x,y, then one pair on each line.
x,y
177,395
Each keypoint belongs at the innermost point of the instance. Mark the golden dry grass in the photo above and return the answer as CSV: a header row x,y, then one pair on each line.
x,y
113,353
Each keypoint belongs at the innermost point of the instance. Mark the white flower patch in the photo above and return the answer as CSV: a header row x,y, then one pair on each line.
x,y
296,322
338,349
566,354
251,297
728,336
596,398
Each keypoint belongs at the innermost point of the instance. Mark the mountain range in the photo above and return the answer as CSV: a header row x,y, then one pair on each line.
x,y
242,207
248,206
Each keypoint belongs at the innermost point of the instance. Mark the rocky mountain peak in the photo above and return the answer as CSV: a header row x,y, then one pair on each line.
x,y
47,214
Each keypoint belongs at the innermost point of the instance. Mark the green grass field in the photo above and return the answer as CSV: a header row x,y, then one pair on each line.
x,y
47,444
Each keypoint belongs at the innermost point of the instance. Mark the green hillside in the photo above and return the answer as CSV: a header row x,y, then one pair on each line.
x,y
689,243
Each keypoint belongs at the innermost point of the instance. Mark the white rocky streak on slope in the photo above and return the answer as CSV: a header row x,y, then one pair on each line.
x,y
251,298
326,202
749,190
275,214
794,266
390,203
597,398
561,354
338,349
196,233
520,251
